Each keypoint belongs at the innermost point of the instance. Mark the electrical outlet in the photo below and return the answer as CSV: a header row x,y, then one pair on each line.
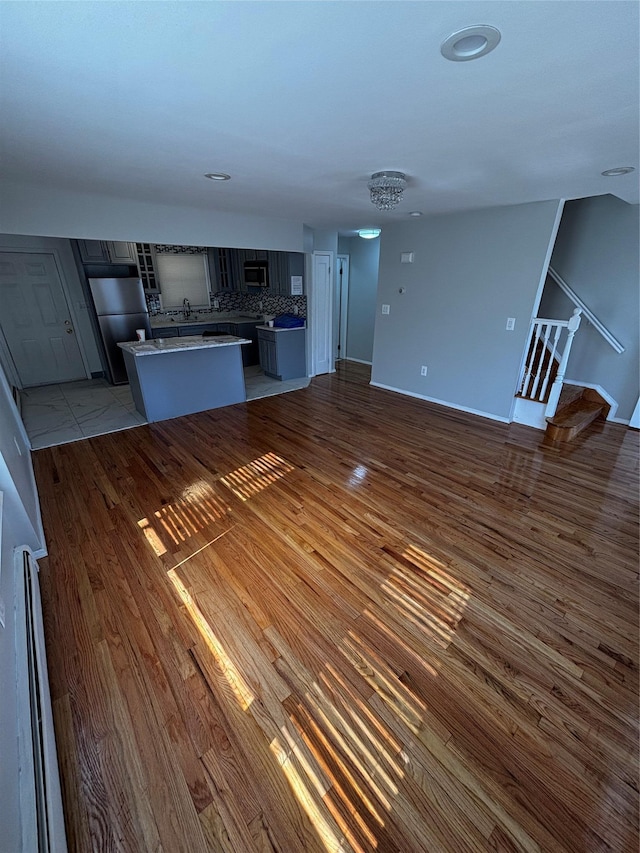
x,y
216,304
385,309
511,324
423,370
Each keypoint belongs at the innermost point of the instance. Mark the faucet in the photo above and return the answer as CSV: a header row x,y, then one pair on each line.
x,y
186,308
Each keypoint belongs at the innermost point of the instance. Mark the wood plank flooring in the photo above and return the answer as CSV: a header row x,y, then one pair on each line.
x,y
342,619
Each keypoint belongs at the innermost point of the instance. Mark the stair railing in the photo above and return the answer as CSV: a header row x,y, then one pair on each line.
x,y
542,351
587,312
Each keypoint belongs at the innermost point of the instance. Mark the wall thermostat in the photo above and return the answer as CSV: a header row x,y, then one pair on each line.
x,y
406,257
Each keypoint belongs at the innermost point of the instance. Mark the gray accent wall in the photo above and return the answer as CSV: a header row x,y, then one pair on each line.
x,y
597,254
471,271
364,259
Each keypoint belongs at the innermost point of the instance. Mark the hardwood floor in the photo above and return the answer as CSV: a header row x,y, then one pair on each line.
x,y
342,619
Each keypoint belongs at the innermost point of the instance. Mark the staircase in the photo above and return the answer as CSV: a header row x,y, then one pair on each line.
x,y
578,407
543,400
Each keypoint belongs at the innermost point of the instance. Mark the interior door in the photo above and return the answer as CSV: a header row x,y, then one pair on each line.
x,y
321,314
35,320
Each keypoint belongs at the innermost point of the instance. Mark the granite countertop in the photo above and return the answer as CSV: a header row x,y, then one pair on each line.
x,y
281,328
160,321
188,342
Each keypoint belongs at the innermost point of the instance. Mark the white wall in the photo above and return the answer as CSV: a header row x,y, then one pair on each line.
x,y
20,526
471,271
53,212
596,253
73,287
364,258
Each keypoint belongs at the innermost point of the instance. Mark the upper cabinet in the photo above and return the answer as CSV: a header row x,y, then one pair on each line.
x,y
228,268
145,254
107,252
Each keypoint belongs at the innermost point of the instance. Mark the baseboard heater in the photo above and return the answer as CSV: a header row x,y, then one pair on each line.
x,y
40,756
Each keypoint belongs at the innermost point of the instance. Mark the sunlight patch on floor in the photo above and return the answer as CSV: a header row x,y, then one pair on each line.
x,y
251,479
238,685
197,509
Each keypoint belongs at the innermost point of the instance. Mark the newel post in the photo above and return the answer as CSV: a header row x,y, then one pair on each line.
x,y
556,388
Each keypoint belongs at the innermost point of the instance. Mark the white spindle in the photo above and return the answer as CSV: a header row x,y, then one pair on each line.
x,y
572,327
544,342
552,355
533,345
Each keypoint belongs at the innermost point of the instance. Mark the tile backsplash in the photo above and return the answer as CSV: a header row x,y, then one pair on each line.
x,y
236,301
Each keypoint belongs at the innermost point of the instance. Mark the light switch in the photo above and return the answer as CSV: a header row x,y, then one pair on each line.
x,y
385,309
511,324
406,257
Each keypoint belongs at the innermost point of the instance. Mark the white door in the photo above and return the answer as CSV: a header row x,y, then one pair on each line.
x,y
321,319
35,320
342,295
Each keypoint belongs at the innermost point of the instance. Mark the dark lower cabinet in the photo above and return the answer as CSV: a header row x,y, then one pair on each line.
x,y
249,351
283,352
165,332
241,330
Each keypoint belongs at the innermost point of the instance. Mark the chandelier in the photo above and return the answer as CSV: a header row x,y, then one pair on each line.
x,y
386,189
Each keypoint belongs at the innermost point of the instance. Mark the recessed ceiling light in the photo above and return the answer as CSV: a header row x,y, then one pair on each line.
x,y
416,213
218,176
369,233
621,170
470,43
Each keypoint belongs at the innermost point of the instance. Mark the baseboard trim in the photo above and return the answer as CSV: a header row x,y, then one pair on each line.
x,y
619,421
606,396
444,403
357,360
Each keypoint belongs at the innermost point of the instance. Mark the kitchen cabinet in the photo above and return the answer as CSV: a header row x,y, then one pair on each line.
x,y
107,252
226,269
165,332
282,352
247,330
250,353
146,257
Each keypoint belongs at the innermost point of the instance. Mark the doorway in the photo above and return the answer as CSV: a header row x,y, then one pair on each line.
x,y
36,321
342,298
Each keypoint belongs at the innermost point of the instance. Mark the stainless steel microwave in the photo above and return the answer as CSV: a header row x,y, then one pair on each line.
x,y
256,273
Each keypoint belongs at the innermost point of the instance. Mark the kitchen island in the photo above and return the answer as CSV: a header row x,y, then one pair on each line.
x,y
179,376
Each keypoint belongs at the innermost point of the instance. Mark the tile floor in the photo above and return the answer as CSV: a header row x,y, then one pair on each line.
x,y
56,414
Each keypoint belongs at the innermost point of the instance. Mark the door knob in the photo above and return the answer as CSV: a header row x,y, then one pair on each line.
x,y
67,322
69,331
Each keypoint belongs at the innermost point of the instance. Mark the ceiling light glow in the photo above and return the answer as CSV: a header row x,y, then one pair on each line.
x,y
369,233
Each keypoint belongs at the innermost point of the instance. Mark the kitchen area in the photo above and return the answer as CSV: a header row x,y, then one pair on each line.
x,y
177,329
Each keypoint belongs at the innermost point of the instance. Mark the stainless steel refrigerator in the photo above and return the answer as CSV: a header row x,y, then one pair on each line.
x,y
121,309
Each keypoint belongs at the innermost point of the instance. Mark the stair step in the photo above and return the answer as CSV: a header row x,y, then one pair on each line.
x,y
570,421
568,395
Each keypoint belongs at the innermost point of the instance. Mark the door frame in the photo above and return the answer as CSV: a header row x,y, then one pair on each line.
x,y
6,357
343,302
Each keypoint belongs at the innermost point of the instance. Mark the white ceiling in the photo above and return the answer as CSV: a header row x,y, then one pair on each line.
x,y
301,101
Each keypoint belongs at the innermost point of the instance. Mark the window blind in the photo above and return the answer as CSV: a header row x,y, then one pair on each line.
x,y
183,277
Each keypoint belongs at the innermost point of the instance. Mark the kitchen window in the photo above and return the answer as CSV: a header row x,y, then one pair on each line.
x,y
183,276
